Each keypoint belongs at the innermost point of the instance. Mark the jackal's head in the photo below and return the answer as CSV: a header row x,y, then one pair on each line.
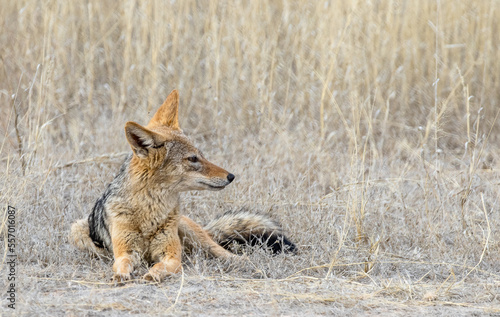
x,y
165,156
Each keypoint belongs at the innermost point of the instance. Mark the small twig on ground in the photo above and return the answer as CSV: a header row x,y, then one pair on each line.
x,y
178,293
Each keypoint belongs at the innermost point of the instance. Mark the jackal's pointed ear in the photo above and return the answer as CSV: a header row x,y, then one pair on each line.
x,y
141,139
168,113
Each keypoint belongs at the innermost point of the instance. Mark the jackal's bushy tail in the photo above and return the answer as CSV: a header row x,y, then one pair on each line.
x,y
245,227
79,237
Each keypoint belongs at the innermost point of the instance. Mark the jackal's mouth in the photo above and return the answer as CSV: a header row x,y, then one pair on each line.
x,y
215,187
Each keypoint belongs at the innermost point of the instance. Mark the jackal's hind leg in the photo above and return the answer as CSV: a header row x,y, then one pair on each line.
x,y
193,235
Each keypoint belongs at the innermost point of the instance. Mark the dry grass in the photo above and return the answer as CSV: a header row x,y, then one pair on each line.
x,y
368,128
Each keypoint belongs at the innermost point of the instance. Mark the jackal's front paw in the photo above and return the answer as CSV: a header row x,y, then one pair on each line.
x,y
122,269
120,277
160,271
157,273
153,276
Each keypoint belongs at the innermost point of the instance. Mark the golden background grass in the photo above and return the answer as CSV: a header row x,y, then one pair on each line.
x,y
368,128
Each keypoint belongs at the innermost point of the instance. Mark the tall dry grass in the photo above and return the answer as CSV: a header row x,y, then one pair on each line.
x,y
368,128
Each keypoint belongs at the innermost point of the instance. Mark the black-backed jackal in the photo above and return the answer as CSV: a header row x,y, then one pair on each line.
x,y
138,217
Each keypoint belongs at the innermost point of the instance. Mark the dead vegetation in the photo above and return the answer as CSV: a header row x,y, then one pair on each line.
x,y
368,129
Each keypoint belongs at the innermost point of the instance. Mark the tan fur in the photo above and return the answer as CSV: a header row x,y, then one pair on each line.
x,y
167,115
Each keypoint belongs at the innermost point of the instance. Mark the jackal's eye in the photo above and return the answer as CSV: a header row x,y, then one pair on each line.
x,y
193,159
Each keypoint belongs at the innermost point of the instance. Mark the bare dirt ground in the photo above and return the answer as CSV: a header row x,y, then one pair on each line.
x,y
369,130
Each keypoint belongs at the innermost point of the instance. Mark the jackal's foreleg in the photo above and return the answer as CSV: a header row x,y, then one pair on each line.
x,y
126,250
166,251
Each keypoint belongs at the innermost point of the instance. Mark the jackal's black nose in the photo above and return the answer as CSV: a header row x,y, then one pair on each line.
x,y
230,177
